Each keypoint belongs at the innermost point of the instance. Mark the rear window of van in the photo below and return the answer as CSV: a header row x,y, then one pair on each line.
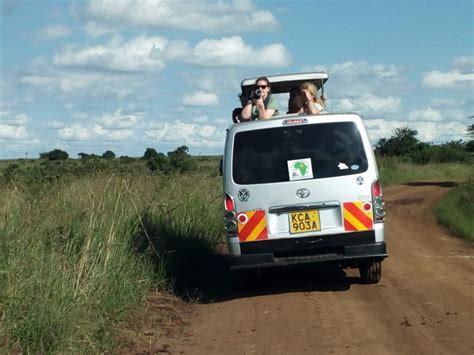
x,y
263,156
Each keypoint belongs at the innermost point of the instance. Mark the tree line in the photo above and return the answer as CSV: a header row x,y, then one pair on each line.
x,y
404,143
177,160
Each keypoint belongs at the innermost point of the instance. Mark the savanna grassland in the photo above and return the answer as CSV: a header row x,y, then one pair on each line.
x,y
79,252
84,241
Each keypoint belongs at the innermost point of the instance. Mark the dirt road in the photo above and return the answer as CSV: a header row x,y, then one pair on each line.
x,y
423,304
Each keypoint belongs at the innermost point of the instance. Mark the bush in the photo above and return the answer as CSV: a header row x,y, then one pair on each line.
x,y
56,154
177,161
108,155
10,172
160,163
181,161
150,153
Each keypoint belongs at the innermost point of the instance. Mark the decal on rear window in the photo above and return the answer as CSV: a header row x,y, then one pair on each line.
x,y
300,169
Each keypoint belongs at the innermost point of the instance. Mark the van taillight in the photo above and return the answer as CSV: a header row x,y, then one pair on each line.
x,y
376,189
378,203
230,220
229,203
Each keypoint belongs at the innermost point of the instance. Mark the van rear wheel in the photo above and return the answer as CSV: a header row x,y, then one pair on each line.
x,y
370,273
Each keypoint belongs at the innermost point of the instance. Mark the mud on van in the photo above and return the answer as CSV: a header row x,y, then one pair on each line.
x,y
302,189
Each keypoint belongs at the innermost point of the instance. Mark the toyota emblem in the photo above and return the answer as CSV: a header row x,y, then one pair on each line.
x,y
302,193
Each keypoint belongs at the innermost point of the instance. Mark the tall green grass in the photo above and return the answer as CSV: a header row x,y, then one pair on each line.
x,y
456,209
77,256
394,170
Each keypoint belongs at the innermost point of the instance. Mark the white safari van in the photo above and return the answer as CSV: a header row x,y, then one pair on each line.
x,y
302,189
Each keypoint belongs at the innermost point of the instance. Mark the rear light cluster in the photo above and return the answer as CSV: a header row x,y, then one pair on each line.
x,y
230,220
378,203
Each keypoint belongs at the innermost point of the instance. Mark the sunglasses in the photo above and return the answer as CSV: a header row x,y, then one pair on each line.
x,y
262,86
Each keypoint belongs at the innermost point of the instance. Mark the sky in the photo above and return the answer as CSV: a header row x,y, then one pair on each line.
x,y
126,75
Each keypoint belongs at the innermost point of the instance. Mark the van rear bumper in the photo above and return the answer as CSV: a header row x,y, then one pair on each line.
x,y
346,256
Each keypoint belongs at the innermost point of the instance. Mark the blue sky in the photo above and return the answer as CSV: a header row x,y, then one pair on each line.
x,y
124,75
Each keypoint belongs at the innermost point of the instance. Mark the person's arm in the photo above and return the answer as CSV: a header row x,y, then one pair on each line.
x,y
264,113
313,107
246,113
309,104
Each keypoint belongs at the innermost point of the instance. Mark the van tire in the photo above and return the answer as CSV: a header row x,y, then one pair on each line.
x,y
370,273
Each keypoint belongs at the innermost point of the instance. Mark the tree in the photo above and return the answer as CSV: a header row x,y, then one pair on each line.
x,y
180,160
108,155
160,163
150,153
470,133
402,142
470,129
87,156
56,154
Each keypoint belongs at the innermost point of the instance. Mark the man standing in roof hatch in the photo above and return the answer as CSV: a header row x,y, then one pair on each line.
x,y
261,107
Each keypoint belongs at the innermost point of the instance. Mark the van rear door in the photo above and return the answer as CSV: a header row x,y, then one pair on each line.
x,y
301,180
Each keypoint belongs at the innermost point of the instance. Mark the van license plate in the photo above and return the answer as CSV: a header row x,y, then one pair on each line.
x,y
307,221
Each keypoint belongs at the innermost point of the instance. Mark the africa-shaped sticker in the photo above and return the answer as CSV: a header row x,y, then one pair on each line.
x,y
300,169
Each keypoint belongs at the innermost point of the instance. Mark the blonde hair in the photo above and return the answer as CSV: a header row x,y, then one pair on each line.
x,y
311,88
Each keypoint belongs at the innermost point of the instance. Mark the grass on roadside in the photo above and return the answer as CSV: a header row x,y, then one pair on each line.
x,y
394,170
455,210
70,267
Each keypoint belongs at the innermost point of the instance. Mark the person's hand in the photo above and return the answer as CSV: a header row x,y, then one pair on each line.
x,y
259,102
306,95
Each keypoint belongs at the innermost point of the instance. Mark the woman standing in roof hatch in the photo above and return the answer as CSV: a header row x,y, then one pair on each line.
x,y
310,96
260,107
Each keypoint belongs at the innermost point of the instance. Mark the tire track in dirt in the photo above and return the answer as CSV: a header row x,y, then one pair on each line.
x,y
423,304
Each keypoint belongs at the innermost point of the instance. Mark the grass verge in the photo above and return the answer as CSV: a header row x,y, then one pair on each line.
x,y
78,255
395,170
455,210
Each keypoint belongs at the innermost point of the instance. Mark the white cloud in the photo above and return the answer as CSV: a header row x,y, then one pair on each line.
x,y
54,125
52,32
205,15
367,103
151,54
352,78
427,114
190,134
8,118
86,84
91,132
356,70
117,120
446,80
201,98
464,62
75,132
13,132
430,132
114,126
13,126
135,55
233,51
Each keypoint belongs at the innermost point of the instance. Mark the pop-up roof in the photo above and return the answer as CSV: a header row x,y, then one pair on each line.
x,y
285,82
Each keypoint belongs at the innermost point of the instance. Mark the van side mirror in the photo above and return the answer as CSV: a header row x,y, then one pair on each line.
x,y
221,167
